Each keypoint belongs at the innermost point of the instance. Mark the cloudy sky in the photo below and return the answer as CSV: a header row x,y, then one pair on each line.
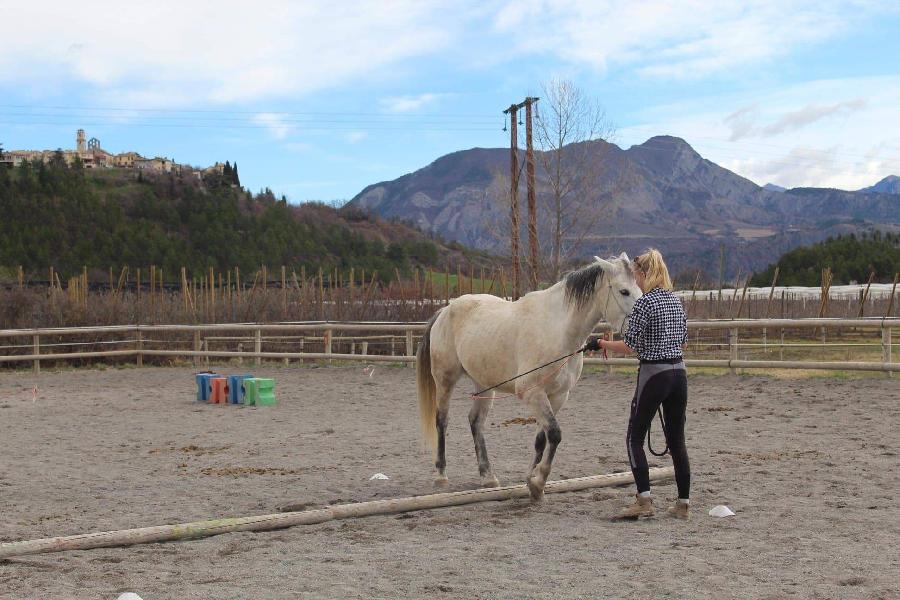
x,y
318,99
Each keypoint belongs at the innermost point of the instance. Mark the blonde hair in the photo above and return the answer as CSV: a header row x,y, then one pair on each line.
x,y
655,271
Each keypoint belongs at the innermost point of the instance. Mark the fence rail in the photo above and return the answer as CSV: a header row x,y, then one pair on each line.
x,y
403,335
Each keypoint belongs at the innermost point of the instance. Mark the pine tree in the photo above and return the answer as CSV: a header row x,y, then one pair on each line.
x,y
234,175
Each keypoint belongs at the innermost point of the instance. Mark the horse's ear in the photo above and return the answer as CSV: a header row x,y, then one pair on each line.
x,y
625,260
605,264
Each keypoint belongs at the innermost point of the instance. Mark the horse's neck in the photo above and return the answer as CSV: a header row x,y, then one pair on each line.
x,y
578,323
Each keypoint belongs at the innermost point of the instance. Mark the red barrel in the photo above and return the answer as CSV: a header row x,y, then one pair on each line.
x,y
219,393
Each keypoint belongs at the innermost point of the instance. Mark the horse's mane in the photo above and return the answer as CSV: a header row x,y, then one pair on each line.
x,y
581,284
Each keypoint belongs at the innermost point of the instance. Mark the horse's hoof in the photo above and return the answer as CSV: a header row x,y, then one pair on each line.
x,y
490,482
536,491
441,481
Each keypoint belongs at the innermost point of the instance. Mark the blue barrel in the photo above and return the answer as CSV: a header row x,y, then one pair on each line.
x,y
236,388
204,388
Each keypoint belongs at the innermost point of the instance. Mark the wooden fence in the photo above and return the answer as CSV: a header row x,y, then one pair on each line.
x,y
709,340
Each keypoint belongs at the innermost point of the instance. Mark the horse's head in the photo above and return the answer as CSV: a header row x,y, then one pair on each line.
x,y
622,290
607,286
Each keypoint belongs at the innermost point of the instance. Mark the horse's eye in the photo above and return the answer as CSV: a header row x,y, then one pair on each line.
x,y
625,292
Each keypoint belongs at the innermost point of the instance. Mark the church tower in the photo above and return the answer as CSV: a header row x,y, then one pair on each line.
x,y
80,144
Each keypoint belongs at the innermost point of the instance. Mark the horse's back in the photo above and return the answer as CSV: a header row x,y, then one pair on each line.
x,y
478,332
473,312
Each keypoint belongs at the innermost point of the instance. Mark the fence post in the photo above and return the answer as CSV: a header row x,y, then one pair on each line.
x,y
240,349
257,347
733,346
409,345
37,351
328,336
140,347
197,348
365,348
206,349
886,346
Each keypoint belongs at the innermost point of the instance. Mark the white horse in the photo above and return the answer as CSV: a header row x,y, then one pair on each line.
x,y
492,340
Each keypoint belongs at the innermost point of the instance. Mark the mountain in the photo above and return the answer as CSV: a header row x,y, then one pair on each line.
x,y
888,185
661,193
771,187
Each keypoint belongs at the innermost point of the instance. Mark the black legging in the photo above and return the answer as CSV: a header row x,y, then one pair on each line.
x,y
664,384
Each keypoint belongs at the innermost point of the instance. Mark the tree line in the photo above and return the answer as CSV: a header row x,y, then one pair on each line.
x,y
850,257
67,218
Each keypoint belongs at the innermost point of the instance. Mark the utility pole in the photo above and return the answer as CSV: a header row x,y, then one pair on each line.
x,y
514,195
514,198
532,205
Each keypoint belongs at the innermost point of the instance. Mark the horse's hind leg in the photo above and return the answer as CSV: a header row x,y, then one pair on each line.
x,y
444,385
477,416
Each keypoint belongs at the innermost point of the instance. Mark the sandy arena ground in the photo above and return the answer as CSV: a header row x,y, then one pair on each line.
x,y
809,466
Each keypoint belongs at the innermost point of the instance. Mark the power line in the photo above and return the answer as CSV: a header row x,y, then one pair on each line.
x,y
257,119
252,112
248,125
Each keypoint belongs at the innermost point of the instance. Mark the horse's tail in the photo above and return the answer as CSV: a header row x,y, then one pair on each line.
x,y
427,391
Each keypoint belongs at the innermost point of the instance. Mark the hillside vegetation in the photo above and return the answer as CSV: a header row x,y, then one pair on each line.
x,y
69,218
850,258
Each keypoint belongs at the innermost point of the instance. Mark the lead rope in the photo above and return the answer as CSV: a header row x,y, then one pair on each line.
x,y
567,357
665,434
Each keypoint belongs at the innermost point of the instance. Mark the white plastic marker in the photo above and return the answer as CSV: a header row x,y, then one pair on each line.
x,y
720,511
379,476
129,596
369,370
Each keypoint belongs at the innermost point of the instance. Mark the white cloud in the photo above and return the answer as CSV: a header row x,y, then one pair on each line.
x,y
177,54
299,147
677,38
356,136
814,134
743,121
275,123
404,104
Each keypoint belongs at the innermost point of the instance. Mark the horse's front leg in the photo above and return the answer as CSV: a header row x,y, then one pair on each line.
x,y
477,416
545,448
540,442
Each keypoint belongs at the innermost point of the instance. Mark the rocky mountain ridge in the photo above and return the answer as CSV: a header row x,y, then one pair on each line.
x,y
661,193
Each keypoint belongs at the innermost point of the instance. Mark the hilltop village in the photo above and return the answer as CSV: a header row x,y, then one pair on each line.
x,y
92,156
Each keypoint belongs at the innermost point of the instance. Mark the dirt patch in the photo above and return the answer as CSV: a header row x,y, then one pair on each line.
x,y
519,421
810,474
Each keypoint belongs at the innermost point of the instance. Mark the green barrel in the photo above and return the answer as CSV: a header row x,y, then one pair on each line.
x,y
259,392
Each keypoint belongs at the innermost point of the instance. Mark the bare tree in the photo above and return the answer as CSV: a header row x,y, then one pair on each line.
x,y
567,118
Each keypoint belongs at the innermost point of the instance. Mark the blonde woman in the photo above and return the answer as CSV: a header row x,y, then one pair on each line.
x,y
657,332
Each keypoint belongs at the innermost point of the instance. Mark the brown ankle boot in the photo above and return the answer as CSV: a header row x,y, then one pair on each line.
x,y
679,510
642,507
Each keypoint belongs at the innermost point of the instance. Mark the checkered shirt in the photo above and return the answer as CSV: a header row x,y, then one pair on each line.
x,y
658,327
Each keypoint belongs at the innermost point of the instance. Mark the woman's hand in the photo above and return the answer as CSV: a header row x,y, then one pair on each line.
x,y
616,346
592,345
